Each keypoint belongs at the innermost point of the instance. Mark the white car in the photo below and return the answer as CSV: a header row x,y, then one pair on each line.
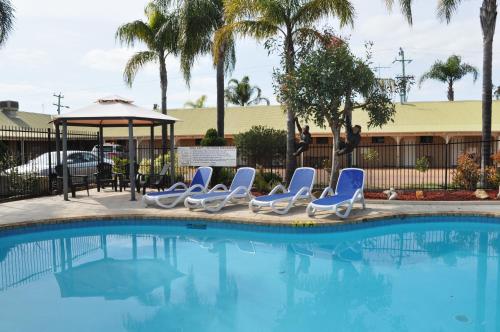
x,y
79,163
110,150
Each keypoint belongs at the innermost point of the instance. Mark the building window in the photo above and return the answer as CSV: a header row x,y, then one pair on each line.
x,y
378,140
426,139
197,141
321,140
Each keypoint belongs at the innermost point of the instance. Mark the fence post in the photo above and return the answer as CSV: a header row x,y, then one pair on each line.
x,y
49,173
446,164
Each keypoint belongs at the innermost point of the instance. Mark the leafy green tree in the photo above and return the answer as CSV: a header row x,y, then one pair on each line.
x,y
160,34
198,103
241,93
6,20
497,92
487,18
285,22
328,84
212,139
261,145
449,72
200,20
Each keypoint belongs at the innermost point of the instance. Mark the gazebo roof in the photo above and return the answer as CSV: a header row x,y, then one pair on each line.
x,y
114,111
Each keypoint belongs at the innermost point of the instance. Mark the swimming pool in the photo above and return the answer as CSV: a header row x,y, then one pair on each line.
x,y
417,274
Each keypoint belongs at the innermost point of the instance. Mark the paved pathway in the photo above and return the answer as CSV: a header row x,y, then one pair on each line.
x,y
109,204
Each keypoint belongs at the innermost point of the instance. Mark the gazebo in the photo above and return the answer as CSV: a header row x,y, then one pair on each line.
x,y
114,111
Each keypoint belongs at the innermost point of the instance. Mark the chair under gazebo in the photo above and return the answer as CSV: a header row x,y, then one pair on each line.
x,y
115,111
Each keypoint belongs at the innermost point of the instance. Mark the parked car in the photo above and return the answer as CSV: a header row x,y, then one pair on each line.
x,y
79,162
110,150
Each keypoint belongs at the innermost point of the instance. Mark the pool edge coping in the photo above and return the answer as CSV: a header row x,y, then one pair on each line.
x,y
217,219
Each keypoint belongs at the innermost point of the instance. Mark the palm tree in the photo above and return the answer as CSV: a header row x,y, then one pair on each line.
x,y
160,34
200,20
449,72
487,18
242,93
290,20
198,103
6,20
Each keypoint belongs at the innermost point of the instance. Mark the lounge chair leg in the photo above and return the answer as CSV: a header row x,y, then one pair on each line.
x,y
310,211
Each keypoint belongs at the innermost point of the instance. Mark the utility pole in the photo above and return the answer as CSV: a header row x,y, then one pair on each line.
x,y
403,79
59,97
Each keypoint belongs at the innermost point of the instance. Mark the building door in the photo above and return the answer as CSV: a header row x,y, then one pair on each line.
x,y
408,152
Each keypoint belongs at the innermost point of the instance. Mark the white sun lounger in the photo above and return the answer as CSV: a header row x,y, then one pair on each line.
x,y
178,192
239,189
300,188
348,191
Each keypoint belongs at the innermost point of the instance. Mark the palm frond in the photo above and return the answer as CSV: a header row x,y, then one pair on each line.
x,y
133,32
405,6
6,20
469,69
136,62
314,10
446,8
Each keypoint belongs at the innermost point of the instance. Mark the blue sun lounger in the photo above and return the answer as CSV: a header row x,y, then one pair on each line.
x,y
300,188
179,191
349,190
239,189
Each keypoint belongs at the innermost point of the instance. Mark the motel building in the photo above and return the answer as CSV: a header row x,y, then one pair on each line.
x,y
420,129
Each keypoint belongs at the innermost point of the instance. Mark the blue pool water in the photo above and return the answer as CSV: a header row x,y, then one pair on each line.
x,y
423,274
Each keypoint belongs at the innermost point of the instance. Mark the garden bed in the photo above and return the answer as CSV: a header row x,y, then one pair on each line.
x,y
434,195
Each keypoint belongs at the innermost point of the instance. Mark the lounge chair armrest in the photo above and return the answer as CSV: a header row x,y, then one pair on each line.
x,y
196,186
327,191
356,194
217,187
177,185
240,189
278,187
301,192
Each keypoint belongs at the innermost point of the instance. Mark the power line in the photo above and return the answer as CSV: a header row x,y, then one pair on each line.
x,y
403,79
59,97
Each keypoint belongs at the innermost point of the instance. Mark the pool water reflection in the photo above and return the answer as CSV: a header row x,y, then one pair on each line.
x,y
439,276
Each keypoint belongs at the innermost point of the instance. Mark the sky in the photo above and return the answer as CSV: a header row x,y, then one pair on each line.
x,y
69,47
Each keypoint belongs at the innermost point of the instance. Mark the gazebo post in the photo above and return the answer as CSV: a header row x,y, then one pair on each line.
x,y
163,142
151,153
58,144
65,159
172,153
131,158
101,144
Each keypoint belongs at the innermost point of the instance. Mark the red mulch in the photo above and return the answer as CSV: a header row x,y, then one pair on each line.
x,y
434,195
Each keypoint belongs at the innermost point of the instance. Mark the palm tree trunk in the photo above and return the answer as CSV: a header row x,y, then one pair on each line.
x,y
451,92
220,93
290,113
488,15
163,84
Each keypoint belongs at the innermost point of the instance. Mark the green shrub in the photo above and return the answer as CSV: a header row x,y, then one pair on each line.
x,y
422,164
467,173
223,175
119,165
212,139
492,177
370,155
261,145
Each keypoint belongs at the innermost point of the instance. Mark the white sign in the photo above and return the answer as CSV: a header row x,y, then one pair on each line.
x,y
218,156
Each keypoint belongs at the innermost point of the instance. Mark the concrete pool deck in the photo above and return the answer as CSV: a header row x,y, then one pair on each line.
x,y
116,205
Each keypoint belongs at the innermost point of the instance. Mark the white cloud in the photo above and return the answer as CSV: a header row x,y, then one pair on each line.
x,y
24,57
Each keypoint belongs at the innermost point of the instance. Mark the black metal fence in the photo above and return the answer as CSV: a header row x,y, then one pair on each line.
x,y
429,166
28,158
